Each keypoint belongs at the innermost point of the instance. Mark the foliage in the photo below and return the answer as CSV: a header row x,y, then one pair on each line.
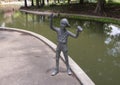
x,y
65,8
94,18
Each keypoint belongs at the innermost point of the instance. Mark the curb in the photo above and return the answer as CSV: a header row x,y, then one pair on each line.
x,y
79,73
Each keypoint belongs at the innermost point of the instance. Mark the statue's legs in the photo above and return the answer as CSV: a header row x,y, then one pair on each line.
x,y
57,63
67,62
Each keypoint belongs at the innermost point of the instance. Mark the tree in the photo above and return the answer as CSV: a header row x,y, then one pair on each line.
x,y
37,3
69,1
25,3
32,2
100,8
110,1
43,3
81,1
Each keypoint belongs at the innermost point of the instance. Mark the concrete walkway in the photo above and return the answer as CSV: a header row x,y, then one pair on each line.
x,y
26,60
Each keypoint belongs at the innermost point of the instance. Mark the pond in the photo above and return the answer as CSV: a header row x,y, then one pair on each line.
x,y
96,50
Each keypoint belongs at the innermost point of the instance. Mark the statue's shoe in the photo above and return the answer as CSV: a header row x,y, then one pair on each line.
x,y
55,72
69,72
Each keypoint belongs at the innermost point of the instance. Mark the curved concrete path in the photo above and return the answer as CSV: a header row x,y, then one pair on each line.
x,y
26,60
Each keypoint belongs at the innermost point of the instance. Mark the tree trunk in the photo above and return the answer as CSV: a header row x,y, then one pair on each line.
x,y
25,3
100,8
32,2
81,1
43,3
58,1
54,1
69,1
47,1
37,3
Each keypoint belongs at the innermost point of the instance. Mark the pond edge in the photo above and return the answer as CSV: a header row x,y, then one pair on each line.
x,y
76,16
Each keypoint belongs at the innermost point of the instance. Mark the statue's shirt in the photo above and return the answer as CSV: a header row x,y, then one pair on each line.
x,y
62,35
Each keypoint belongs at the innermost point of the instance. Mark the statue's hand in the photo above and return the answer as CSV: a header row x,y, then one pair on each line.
x,y
79,28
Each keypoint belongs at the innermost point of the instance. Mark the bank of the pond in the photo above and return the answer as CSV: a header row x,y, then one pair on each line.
x,y
92,18
76,16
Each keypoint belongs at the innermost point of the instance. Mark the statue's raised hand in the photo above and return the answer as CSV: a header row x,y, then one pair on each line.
x,y
79,28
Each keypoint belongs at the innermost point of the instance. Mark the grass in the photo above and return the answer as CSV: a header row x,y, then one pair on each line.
x,y
94,18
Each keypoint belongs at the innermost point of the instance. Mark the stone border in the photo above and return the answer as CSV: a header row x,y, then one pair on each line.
x,y
79,73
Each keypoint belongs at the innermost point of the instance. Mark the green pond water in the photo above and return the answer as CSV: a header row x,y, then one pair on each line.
x,y
96,50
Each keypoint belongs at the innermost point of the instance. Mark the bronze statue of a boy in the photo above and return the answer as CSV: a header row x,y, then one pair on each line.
x,y
62,36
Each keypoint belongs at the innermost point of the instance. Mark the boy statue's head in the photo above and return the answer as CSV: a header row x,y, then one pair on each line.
x,y
64,23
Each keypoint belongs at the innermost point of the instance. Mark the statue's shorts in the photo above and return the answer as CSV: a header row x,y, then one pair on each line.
x,y
62,47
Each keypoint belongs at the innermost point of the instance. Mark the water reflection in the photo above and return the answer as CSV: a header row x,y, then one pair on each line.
x,y
113,39
95,27
35,18
7,18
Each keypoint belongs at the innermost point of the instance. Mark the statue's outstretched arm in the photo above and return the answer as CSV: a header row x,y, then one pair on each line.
x,y
51,23
79,29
